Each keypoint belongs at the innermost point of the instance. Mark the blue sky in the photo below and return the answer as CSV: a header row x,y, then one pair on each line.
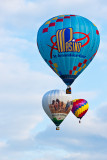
x,y
26,133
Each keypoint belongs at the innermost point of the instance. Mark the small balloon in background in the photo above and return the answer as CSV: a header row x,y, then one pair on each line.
x,y
80,107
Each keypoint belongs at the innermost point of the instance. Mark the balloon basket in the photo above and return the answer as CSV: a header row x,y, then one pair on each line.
x,y
79,121
68,90
57,128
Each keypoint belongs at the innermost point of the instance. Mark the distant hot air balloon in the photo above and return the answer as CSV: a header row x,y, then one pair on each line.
x,y
68,43
57,104
80,107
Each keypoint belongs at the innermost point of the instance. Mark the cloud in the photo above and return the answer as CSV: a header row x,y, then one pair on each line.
x,y
88,95
32,13
101,111
21,92
85,156
90,135
3,144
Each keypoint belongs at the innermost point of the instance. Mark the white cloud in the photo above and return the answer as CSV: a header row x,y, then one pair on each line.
x,y
72,134
3,144
89,95
20,96
31,13
85,156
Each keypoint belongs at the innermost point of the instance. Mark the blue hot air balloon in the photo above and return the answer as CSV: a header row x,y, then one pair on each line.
x,y
68,43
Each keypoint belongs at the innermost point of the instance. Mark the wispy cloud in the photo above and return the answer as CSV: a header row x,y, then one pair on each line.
x,y
90,95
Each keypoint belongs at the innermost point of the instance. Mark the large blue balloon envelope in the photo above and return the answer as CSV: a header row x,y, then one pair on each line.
x,y
68,43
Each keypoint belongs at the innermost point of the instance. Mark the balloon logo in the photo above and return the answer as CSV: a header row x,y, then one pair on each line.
x,y
57,43
57,105
68,43
80,107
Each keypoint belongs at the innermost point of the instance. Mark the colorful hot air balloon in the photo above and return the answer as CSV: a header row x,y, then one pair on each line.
x,y
80,107
57,104
68,43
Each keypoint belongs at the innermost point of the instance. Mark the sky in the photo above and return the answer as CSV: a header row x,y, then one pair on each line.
x,y
26,133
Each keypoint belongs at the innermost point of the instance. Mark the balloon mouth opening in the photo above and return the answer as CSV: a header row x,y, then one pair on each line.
x,y
57,128
68,79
